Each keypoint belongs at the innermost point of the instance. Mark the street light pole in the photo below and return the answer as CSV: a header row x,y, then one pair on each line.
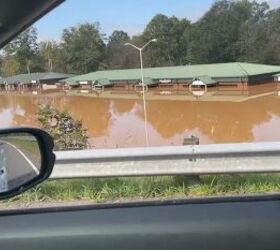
x,y
142,71
141,57
142,82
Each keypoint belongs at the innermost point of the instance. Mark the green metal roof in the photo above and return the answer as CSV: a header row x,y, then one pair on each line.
x,y
276,75
148,81
103,82
206,80
54,76
131,74
72,81
214,71
106,82
231,70
28,78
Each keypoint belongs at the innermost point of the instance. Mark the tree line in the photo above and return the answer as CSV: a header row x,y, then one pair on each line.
x,y
243,30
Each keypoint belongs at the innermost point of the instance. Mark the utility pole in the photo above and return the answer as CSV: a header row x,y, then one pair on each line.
x,y
142,82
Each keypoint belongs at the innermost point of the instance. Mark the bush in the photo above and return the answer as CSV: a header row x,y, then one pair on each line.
x,y
67,133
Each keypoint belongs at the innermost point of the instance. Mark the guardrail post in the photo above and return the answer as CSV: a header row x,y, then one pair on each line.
x,y
193,180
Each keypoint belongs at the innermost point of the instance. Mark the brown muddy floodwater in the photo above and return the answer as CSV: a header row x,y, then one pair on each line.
x,y
122,123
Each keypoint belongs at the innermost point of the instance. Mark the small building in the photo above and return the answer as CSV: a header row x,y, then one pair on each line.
x,y
33,80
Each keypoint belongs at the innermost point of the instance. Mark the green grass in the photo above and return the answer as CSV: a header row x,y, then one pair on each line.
x,y
127,189
29,146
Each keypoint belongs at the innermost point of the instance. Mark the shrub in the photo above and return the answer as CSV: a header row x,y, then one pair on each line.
x,y
67,133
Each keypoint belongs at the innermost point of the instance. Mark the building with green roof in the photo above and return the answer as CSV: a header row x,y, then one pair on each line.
x,y
33,79
221,74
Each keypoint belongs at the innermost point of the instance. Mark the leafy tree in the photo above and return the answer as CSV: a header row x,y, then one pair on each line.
x,y
24,48
51,54
117,55
230,31
118,37
83,49
172,40
270,48
10,67
252,35
214,34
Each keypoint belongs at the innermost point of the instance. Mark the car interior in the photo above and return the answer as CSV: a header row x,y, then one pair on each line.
x,y
248,222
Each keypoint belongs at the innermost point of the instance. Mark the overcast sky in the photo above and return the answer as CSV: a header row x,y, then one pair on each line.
x,y
128,15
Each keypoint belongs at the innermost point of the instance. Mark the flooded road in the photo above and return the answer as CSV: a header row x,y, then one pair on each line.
x,y
115,123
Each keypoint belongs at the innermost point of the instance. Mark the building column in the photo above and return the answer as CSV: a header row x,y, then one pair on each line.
x,y
243,86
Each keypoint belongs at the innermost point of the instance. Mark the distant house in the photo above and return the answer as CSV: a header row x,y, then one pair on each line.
x,y
237,75
32,80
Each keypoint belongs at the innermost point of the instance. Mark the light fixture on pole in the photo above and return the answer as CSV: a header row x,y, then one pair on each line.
x,y
141,57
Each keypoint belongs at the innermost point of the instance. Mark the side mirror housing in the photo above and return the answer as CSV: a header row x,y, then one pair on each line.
x,y
26,159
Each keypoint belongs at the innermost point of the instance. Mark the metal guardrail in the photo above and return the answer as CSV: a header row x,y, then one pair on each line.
x,y
164,161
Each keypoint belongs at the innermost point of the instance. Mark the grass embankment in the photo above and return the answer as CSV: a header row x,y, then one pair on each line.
x,y
127,189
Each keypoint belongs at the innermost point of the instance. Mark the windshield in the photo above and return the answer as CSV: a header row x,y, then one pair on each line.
x,y
117,75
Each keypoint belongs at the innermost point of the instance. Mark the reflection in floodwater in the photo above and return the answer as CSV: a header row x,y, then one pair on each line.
x,y
121,122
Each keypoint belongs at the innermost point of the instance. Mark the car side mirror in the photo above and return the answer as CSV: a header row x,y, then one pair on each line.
x,y
26,159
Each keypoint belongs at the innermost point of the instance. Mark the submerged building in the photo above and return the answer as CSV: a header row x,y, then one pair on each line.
x,y
237,75
23,81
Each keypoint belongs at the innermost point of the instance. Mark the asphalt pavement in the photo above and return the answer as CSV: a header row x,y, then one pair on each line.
x,y
15,167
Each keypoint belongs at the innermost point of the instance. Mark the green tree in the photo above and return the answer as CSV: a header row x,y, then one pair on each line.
x,y
117,55
51,54
83,49
24,48
270,48
229,31
10,66
252,38
172,37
